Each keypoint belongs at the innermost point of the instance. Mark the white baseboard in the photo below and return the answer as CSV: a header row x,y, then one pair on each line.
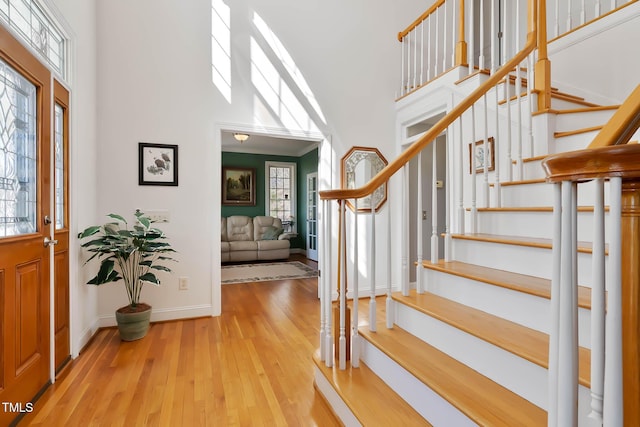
x,y
165,314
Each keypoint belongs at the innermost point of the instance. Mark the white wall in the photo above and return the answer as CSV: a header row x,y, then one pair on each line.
x,y
78,18
611,75
154,84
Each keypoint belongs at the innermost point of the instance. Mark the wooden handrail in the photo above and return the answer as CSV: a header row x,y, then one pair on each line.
x,y
386,173
622,125
591,163
421,18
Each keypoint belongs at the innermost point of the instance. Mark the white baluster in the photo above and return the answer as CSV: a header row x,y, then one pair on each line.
x,y
422,48
472,42
597,304
321,288
556,282
486,155
434,204
520,167
494,37
355,345
474,184
389,306
497,185
445,30
557,21
429,48
530,78
461,174
415,57
372,272
568,338
613,4
598,9
342,340
405,230
329,350
509,153
613,396
403,86
583,17
481,64
448,180
437,44
419,284
569,23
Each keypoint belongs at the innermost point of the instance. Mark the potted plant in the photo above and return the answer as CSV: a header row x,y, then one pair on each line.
x,y
131,255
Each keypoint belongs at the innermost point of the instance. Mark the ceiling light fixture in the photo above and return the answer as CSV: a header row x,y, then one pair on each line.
x,y
241,137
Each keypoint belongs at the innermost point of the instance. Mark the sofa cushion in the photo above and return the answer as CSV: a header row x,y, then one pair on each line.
x,y
223,229
224,247
270,245
262,224
243,245
239,228
272,233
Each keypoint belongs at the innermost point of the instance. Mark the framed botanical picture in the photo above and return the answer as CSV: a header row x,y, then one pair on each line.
x,y
481,153
157,164
238,186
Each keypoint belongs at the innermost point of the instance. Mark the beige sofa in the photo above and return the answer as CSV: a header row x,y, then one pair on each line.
x,y
248,239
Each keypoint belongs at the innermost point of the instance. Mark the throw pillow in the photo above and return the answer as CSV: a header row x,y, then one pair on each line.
x,y
271,233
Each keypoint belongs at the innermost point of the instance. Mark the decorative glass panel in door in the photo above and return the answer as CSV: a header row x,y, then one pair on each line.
x,y
18,162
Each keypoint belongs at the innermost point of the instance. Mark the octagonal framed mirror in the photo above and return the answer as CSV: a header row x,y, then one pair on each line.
x,y
359,165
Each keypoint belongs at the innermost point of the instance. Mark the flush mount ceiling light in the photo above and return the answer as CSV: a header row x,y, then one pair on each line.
x,y
241,137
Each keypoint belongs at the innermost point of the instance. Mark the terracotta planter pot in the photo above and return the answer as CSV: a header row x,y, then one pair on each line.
x,y
133,323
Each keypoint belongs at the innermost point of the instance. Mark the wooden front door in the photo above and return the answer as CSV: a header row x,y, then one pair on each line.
x,y
25,187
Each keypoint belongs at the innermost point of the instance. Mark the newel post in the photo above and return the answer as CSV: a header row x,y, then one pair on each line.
x,y
461,45
542,81
630,228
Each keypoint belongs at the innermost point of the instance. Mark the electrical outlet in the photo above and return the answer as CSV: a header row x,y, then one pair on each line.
x,y
183,283
158,215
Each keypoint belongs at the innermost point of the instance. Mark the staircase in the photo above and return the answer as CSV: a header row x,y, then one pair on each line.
x,y
471,346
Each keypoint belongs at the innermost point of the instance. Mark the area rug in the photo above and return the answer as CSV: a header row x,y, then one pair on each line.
x,y
266,271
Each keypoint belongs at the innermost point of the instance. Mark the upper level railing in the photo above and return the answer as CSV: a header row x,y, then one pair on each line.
x,y
615,319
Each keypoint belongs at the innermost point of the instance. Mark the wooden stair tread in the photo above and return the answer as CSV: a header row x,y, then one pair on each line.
x,y
531,285
369,397
522,341
482,400
534,242
576,131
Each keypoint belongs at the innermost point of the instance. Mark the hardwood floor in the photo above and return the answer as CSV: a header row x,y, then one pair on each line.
x,y
252,366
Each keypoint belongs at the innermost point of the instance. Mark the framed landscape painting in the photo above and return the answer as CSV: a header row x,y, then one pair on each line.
x,y
238,186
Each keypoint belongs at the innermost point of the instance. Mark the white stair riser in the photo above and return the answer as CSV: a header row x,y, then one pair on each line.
x,y
518,375
578,141
541,194
432,407
518,307
564,104
339,408
579,120
531,224
527,260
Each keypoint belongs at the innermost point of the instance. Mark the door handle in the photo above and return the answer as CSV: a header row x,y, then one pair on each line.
x,y
49,242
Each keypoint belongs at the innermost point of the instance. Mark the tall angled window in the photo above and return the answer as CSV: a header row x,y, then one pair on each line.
x,y
281,192
18,159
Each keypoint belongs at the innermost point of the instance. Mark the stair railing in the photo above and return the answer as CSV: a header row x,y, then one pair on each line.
x,y
565,16
615,288
347,326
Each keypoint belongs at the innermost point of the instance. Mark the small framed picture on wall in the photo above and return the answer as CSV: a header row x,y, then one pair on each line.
x,y
157,164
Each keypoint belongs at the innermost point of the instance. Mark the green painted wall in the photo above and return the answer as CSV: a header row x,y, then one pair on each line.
x,y
304,165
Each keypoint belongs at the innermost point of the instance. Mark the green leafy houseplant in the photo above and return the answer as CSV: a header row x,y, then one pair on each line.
x,y
132,255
